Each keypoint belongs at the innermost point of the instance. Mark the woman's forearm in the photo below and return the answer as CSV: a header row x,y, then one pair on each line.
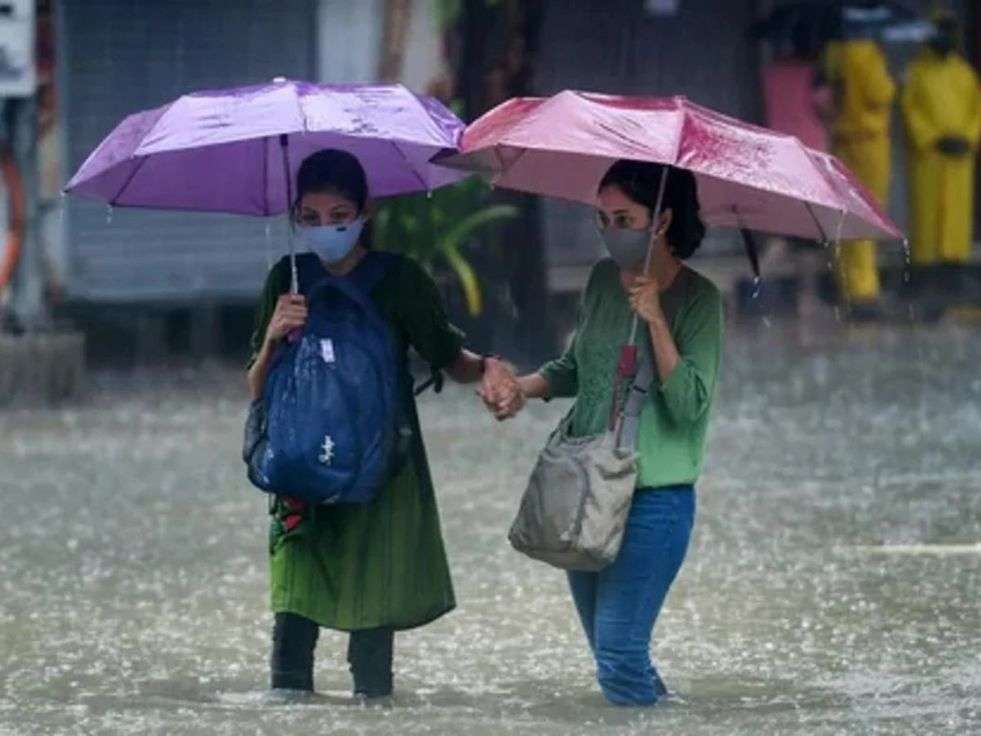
x,y
467,368
666,354
260,370
534,386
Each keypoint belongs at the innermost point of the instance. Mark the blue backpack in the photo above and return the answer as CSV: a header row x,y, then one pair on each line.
x,y
329,428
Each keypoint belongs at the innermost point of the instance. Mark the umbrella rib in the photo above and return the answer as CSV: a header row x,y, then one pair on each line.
x,y
132,174
500,158
750,245
411,167
507,169
817,222
504,169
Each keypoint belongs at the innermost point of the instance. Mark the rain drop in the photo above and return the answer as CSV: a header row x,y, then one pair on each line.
x,y
268,245
108,214
908,261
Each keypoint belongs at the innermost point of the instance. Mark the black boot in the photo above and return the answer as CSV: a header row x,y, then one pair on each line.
x,y
369,653
291,663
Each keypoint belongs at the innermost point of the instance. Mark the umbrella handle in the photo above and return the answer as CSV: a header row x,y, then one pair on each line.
x,y
284,146
650,246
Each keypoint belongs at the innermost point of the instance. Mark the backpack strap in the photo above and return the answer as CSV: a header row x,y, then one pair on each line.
x,y
309,270
435,382
372,269
634,404
358,286
360,282
629,421
369,274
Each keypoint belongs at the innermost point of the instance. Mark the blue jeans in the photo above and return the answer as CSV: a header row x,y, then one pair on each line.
x,y
619,604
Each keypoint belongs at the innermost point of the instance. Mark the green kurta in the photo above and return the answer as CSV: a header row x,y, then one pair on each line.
x,y
674,423
362,566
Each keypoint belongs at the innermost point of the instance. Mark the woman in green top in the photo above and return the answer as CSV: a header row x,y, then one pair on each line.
x,y
374,568
682,311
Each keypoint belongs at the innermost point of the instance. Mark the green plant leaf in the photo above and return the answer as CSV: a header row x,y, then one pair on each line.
x,y
475,220
451,242
468,279
431,229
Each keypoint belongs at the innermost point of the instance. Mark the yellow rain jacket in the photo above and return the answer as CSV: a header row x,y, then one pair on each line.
x,y
940,99
864,92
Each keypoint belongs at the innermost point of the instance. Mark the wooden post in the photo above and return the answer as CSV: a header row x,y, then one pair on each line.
x,y
20,123
395,33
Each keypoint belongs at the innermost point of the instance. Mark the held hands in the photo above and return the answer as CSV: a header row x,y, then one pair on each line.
x,y
290,314
500,390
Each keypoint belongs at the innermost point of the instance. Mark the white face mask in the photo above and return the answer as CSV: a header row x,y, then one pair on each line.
x,y
331,242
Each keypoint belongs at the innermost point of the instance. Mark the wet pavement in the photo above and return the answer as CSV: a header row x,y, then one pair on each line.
x,y
832,584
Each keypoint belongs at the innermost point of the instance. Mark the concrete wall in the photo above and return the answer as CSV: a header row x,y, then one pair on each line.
x,y
116,57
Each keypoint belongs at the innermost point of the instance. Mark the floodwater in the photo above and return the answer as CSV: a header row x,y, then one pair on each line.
x,y
831,586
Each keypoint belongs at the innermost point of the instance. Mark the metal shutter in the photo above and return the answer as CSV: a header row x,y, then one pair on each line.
x,y
119,56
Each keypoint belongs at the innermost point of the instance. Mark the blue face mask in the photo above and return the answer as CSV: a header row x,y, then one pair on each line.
x,y
331,242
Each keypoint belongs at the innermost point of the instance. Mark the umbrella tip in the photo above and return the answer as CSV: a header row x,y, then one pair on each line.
x,y
279,80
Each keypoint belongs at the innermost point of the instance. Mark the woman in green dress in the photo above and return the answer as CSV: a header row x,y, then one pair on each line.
x,y
376,568
681,314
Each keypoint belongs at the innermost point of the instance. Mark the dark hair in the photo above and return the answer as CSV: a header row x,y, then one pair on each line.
x,y
331,170
641,181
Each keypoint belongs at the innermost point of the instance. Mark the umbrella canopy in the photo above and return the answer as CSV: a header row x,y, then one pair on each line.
x,y
224,150
748,177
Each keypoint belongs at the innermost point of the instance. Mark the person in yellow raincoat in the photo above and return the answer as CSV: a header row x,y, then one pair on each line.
x,y
864,91
941,105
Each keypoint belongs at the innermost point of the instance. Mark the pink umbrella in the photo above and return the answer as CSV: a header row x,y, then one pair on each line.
x,y
748,177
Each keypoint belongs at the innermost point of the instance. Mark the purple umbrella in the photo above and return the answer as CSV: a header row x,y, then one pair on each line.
x,y
237,150
224,150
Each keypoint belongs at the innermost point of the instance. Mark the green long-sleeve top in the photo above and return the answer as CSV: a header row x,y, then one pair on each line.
x,y
674,421
379,564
